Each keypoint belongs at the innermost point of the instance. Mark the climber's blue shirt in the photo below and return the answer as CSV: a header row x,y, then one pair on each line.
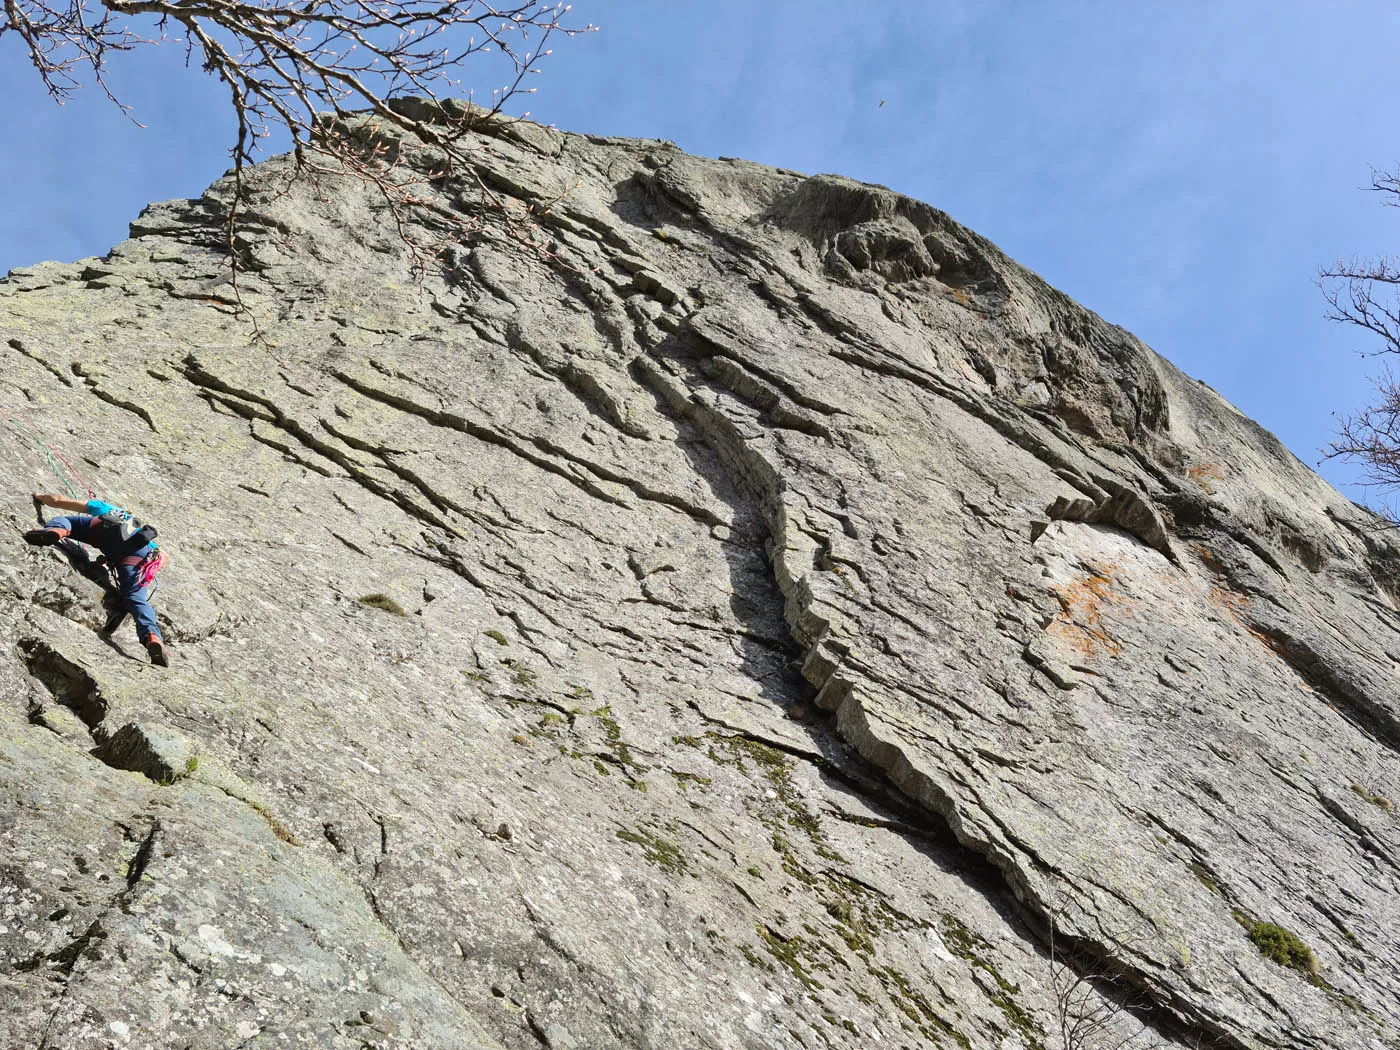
x,y
99,507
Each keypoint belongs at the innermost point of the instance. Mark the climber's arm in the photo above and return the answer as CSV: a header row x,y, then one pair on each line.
x,y
63,503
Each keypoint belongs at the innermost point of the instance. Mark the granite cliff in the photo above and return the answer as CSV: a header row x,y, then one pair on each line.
x,y
767,616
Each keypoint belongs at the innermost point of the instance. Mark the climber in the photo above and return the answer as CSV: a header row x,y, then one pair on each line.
x,y
127,552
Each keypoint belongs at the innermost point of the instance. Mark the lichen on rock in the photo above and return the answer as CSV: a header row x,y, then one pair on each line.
x,y
796,611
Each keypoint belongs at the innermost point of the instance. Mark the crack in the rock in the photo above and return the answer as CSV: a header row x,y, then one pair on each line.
x,y
1351,703
485,434
104,395
69,956
582,385
518,447
58,373
437,499
67,682
274,415
142,859
286,449
709,325
763,485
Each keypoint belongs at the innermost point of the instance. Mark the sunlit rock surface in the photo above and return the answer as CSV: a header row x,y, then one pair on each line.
x,y
784,612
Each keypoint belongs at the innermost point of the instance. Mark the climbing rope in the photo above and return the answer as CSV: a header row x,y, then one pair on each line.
x,y
53,457
76,476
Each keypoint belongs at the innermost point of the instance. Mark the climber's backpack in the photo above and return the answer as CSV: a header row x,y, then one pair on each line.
x,y
132,535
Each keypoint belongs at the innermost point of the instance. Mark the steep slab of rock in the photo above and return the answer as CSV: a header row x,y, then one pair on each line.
x,y
761,614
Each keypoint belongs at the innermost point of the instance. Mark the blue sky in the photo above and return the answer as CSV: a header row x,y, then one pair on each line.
x,y
1182,169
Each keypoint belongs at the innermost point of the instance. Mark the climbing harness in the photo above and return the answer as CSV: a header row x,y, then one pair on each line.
x,y
147,566
150,567
134,535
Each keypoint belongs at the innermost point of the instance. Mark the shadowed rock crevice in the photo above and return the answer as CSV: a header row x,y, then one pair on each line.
x,y
868,228
68,683
156,753
1335,682
1123,507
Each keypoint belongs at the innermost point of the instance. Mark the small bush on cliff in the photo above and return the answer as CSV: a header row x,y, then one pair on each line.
x,y
1280,945
383,601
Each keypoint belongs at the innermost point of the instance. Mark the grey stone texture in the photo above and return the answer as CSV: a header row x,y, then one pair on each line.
x,y
797,626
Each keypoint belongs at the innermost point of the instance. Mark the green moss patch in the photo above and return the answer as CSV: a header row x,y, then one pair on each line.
x,y
915,1006
550,725
965,944
851,925
684,780
1204,876
1280,945
655,850
382,602
776,768
617,748
788,951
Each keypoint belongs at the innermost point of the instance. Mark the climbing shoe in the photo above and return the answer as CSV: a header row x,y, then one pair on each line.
x,y
157,652
41,537
116,613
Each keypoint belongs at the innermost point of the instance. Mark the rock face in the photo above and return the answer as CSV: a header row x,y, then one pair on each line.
x,y
761,615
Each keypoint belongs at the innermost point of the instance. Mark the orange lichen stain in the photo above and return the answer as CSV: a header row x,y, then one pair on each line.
x,y
1204,475
1080,628
1222,597
1233,602
1236,606
1208,559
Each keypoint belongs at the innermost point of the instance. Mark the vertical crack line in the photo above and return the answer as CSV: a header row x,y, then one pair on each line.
x,y
70,955
141,861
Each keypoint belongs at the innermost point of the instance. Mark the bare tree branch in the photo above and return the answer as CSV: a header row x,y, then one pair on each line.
x,y
1371,437
312,69
1387,183
1365,293
1093,1007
